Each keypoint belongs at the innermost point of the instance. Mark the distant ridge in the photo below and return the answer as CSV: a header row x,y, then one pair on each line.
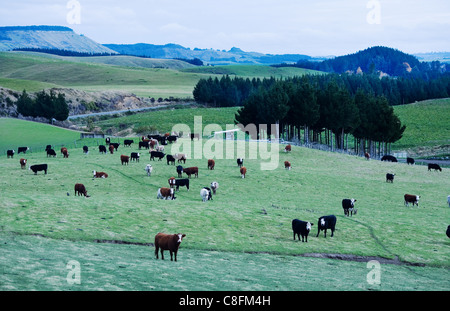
x,y
48,37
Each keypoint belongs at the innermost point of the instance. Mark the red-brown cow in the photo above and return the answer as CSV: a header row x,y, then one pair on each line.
x,y
166,193
125,159
191,170
170,242
211,164
287,165
65,152
111,149
243,171
99,174
23,163
81,190
367,155
287,148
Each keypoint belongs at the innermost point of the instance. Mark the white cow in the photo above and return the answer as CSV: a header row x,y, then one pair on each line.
x,y
149,170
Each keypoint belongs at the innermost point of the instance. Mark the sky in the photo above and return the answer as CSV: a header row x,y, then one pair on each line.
x,y
313,27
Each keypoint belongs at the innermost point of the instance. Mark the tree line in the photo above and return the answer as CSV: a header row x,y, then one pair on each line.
x,y
47,105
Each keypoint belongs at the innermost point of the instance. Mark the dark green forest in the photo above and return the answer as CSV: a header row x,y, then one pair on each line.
x,y
50,106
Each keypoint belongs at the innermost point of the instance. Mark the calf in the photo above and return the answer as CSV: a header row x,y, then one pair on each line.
x,y
124,159
349,206
156,154
390,177
10,153
214,186
206,195
180,171
38,167
65,152
99,174
23,163
51,153
86,149
80,189
300,227
243,171
410,161
170,242
410,198
434,166
135,156
287,165
165,193
240,162
22,149
211,164
287,148
170,159
326,222
149,170
102,149
191,170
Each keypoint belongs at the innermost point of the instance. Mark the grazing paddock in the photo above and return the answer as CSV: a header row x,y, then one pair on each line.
x,y
248,223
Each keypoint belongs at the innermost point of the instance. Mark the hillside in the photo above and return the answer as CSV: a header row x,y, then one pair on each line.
x,y
48,37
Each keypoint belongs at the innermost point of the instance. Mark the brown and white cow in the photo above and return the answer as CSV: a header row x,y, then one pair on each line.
x,y
23,163
243,171
287,165
111,149
410,198
170,242
99,174
166,193
211,164
287,148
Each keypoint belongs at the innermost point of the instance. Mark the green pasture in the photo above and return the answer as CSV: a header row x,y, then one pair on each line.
x,y
245,228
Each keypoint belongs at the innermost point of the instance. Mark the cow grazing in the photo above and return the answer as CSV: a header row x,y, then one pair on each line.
x,y
128,142
86,149
80,189
166,194
211,164
300,227
181,157
10,153
349,206
99,174
326,222
434,166
135,156
149,169
124,159
38,167
51,153
214,186
156,154
183,182
240,162
389,158
102,149
111,149
170,242
23,163
287,148
367,155
287,165
390,177
410,198
191,170
410,161
65,152
180,171
22,149
243,171
206,194
170,159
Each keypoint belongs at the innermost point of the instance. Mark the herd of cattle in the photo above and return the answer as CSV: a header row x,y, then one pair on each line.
x,y
156,145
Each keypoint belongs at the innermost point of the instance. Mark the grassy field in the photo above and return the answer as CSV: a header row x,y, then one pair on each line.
x,y
241,240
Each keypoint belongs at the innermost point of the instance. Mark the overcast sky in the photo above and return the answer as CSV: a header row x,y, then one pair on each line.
x,y
313,27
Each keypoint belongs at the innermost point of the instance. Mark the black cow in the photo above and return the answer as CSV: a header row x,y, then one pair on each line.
x,y
86,149
434,166
10,153
102,149
116,145
448,231
170,158
38,167
240,162
48,147
144,144
156,154
184,182
51,153
326,222
349,206
22,149
172,138
300,227
389,158
135,156
180,171
390,177
128,142
410,161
